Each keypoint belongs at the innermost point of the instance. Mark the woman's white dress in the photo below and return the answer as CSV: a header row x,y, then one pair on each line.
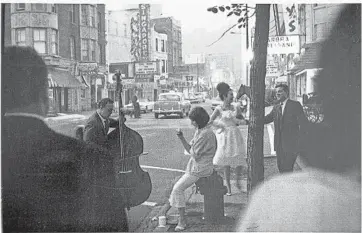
x,y
231,145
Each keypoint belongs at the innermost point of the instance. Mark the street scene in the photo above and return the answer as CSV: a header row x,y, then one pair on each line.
x,y
181,116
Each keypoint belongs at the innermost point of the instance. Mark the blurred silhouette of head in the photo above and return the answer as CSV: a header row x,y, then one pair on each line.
x,y
25,81
223,89
335,144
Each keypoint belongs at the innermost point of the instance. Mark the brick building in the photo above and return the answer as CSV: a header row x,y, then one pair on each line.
x,y
71,40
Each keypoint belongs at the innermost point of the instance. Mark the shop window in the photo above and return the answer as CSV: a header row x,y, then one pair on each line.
x,y
20,7
156,45
20,37
54,42
163,66
85,51
40,40
301,84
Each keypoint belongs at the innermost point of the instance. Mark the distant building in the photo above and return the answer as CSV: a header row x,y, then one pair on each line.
x,y
71,40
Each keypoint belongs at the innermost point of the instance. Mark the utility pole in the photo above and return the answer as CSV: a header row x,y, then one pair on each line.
x,y
247,43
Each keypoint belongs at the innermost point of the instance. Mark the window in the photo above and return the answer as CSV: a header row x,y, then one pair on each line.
x,y
125,30
92,46
39,40
54,9
54,42
92,16
39,7
163,70
301,84
72,47
20,6
84,15
99,49
82,93
72,13
162,45
99,21
20,37
85,53
156,44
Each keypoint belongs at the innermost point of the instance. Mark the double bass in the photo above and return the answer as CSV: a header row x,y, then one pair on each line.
x,y
127,145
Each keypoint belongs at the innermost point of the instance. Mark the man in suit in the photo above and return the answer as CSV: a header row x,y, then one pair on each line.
x,y
50,182
289,125
98,124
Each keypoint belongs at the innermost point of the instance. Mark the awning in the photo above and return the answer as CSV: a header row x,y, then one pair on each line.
x,y
62,78
309,59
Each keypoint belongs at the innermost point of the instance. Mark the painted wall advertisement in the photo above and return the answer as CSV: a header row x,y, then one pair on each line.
x,y
290,14
144,30
146,67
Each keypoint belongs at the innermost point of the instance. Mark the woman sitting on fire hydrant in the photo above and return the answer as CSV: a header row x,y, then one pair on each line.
x,y
202,149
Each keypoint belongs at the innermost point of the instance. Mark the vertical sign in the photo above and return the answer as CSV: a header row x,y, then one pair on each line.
x,y
135,37
144,26
291,19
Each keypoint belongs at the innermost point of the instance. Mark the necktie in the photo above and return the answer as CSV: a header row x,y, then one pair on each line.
x,y
106,125
281,108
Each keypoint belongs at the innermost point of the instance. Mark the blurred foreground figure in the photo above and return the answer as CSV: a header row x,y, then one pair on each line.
x,y
50,182
326,196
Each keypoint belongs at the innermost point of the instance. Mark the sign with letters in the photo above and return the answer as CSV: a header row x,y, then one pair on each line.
x,y
144,30
146,68
290,14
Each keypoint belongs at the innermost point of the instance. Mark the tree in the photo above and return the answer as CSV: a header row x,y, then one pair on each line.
x,y
257,83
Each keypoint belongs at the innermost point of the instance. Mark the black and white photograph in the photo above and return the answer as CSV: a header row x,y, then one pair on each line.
x,y
180,116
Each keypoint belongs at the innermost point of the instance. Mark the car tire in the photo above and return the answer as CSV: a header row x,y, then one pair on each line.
x,y
156,115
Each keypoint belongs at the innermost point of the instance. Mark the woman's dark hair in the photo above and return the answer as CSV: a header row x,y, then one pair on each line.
x,y
223,89
200,116
335,144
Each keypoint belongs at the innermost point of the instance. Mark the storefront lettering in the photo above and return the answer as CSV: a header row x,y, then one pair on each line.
x,y
144,26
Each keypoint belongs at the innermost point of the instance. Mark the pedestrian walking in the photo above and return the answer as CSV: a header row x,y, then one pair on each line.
x,y
136,107
202,149
50,182
231,145
325,196
289,126
98,124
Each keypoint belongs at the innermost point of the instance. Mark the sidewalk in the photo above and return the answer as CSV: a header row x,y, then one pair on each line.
x,y
233,208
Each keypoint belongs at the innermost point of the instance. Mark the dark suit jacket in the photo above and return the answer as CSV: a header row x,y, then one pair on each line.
x,y
94,131
51,182
290,128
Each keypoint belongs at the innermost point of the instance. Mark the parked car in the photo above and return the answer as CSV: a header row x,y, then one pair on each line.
x,y
145,106
200,97
172,103
191,97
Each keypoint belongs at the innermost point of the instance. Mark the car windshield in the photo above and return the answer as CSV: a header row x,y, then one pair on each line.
x,y
169,97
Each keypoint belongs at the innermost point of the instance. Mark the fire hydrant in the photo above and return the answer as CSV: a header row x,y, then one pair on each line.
x,y
79,131
213,190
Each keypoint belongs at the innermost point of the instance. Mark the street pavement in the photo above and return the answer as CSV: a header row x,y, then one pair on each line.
x,y
165,160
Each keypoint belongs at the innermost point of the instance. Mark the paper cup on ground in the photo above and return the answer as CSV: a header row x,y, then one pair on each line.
x,y
162,221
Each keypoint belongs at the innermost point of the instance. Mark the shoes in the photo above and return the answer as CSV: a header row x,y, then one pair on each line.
x,y
228,194
180,228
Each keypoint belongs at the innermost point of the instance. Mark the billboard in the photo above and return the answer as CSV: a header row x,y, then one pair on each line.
x,y
283,44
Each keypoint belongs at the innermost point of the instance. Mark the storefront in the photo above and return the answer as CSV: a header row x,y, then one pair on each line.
x,y
305,72
64,91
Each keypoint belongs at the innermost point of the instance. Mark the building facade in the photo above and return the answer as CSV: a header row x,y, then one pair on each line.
x,y
172,28
68,37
